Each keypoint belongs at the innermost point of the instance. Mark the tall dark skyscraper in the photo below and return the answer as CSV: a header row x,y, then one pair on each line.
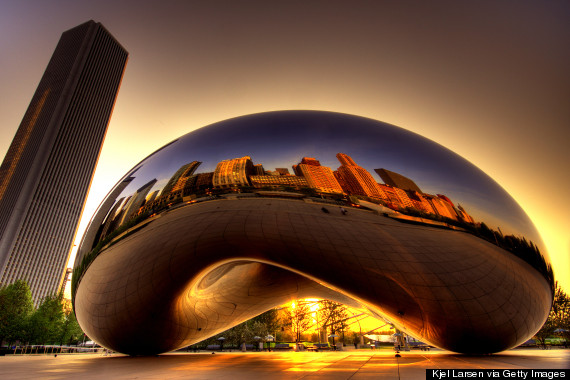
x,y
45,176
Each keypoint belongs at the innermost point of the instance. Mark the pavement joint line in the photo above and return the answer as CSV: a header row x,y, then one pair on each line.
x,y
304,363
366,362
326,366
431,361
465,361
398,365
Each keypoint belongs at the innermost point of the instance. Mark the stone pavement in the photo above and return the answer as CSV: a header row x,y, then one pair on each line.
x,y
360,364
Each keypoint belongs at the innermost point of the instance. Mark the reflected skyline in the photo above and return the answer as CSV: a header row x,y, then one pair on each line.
x,y
324,151
238,175
437,169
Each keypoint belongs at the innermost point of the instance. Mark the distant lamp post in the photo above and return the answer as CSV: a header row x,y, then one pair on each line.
x,y
221,339
269,339
333,336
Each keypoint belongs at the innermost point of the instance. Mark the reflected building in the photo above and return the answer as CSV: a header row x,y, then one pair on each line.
x,y
258,169
397,198
420,203
464,215
320,178
203,182
397,180
440,207
48,168
233,173
179,179
204,260
356,179
282,171
404,198
278,181
109,225
132,207
104,217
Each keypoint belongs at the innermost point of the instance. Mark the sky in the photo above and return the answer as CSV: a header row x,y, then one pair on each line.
x,y
487,79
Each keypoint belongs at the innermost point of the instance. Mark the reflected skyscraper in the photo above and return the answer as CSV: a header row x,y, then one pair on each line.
x,y
179,179
48,168
397,180
357,179
233,172
134,204
318,177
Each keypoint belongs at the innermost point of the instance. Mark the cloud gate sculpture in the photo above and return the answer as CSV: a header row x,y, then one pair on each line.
x,y
244,215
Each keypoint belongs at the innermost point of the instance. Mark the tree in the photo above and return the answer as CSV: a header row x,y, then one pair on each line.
x,y
558,321
15,308
332,316
561,314
261,326
267,322
47,321
239,334
298,318
70,331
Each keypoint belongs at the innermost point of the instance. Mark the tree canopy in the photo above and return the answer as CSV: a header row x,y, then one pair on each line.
x,y
53,322
16,306
558,321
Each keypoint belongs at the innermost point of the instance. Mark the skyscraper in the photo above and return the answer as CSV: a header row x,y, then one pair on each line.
x,y
48,168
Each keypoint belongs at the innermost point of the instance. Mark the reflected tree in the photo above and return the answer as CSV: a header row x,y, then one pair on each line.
x,y
261,326
332,317
298,318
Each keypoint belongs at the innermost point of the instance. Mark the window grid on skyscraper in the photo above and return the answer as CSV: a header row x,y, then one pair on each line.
x,y
62,132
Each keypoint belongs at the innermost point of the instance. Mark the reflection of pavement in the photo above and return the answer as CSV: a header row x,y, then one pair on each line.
x,y
294,365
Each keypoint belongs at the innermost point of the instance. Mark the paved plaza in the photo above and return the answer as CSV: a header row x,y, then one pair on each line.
x,y
353,364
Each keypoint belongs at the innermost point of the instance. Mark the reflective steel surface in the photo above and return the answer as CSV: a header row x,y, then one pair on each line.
x,y
243,215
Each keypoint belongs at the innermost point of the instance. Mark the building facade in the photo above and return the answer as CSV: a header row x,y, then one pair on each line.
x,y
48,168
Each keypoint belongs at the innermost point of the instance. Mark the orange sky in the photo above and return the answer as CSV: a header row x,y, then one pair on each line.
x,y
488,80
